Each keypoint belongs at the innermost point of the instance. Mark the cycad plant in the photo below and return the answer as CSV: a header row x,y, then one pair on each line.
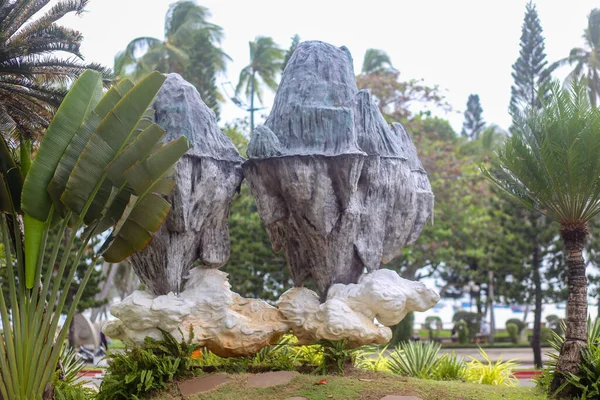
x,y
32,77
551,164
101,164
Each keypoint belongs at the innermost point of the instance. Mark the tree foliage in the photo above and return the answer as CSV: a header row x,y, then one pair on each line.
x,y
586,59
530,73
474,122
32,76
191,48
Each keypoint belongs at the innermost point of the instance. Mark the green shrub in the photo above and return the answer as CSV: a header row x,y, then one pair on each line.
x,y
402,331
449,367
587,382
66,391
336,356
416,359
513,332
488,373
140,370
371,358
520,324
434,326
546,336
463,332
473,321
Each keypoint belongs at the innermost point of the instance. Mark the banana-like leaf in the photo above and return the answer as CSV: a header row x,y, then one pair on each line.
x,y
146,210
113,133
77,104
5,203
77,144
137,149
35,200
12,177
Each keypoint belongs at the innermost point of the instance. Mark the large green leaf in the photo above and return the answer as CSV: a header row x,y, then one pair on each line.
x,y
78,103
146,210
75,148
113,133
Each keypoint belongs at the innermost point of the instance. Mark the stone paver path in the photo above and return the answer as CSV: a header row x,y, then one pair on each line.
x,y
268,379
202,384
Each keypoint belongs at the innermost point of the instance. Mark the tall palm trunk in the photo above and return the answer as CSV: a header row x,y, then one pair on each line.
x,y
536,342
252,102
576,335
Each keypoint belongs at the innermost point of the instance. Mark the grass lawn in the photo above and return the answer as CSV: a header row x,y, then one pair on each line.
x,y
361,386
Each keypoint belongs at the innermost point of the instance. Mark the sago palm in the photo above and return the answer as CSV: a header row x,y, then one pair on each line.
x,y
551,164
32,78
266,60
587,59
146,54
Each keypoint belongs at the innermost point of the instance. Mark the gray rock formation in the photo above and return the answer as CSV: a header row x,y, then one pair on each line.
x,y
337,188
207,178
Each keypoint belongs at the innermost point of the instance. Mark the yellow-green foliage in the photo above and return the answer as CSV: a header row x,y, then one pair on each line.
x,y
488,373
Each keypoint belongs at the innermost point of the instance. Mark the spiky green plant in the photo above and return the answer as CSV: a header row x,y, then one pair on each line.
x,y
488,373
449,367
416,359
100,165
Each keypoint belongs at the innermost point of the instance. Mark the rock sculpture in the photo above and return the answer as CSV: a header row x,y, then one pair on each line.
x,y
207,178
221,320
350,310
338,189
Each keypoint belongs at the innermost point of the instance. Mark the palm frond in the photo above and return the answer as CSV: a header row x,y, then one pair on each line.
x,y
551,163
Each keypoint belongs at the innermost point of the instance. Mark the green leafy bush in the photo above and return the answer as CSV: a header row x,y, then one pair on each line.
x,y
586,383
371,358
513,332
546,336
140,370
449,367
463,332
520,324
473,321
488,373
434,326
416,359
336,356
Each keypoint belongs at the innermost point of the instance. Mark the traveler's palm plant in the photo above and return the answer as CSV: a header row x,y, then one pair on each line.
x,y
551,164
101,164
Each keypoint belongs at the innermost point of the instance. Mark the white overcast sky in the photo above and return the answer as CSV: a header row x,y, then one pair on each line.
x,y
464,46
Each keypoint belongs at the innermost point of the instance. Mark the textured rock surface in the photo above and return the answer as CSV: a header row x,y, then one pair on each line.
x,y
223,321
349,310
337,188
207,178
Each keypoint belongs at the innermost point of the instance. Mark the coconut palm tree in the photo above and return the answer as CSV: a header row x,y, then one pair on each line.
x,y
587,59
376,61
183,19
266,60
32,77
551,164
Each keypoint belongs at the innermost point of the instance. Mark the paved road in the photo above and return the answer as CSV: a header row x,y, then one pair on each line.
x,y
524,356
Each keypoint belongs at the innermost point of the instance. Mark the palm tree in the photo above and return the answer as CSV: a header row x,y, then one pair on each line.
x,y
183,19
32,78
587,60
266,59
551,164
376,61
